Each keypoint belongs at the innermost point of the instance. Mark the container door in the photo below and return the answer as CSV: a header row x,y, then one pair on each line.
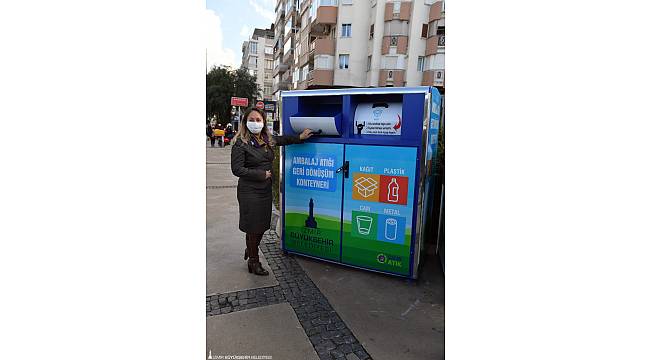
x,y
378,207
313,199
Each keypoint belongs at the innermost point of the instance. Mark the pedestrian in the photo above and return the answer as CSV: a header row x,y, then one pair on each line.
x,y
219,133
252,160
229,133
209,134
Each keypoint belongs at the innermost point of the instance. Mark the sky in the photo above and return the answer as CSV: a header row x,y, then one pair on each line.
x,y
228,23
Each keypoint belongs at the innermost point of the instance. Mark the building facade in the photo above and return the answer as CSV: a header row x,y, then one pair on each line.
x,y
358,43
257,58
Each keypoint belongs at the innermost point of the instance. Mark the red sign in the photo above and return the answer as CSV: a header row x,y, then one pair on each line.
x,y
393,189
260,105
238,101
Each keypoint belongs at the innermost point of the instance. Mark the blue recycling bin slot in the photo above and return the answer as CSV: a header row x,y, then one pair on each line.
x,y
357,193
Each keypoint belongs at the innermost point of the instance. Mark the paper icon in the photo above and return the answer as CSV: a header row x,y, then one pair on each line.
x,y
365,186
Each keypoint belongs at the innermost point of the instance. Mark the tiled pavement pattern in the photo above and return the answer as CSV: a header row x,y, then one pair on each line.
x,y
328,334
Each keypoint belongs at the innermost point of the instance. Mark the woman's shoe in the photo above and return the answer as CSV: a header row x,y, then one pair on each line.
x,y
256,268
246,254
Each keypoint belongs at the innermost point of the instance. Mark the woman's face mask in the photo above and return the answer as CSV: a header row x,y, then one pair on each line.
x,y
254,126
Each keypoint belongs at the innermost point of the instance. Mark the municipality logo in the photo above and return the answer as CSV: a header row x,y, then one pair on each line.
x,y
381,258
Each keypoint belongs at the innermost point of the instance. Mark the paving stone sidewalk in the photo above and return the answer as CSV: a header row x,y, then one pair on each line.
x,y
327,332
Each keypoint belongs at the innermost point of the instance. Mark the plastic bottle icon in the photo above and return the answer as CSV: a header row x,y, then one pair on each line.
x,y
390,231
393,191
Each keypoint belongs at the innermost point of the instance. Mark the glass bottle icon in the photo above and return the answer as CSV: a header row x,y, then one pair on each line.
x,y
393,191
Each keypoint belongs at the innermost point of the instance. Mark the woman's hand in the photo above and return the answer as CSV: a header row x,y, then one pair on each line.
x,y
268,174
306,134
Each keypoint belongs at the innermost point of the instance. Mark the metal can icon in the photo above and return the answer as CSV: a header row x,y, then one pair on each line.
x,y
390,231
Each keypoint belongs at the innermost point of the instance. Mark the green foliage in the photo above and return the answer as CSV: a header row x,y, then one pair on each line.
x,y
222,83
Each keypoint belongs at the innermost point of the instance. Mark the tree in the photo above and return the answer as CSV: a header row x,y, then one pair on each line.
x,y
222,83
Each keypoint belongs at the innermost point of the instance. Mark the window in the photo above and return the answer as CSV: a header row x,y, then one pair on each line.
x,y
420,63
268,64
396,7
389,62
441,35
396,27
287,28
305,72
425,30
296,76
254,47
323,62
372,30
268,50
344,61
346,30
369,62
287,48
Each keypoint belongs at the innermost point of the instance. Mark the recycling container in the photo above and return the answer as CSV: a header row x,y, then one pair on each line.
x,y
356,193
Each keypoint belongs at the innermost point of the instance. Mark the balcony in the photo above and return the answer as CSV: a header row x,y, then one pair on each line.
x,y
302,85
403,14
322,46
432,46
280,15
304,6
287,57
325,15
433,78
320,77
396,80
282,85
401,44
291,8
286,77
279,69
435,12
304,57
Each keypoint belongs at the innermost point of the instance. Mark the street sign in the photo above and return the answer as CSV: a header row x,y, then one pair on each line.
x,y
238,101
260,105
269,106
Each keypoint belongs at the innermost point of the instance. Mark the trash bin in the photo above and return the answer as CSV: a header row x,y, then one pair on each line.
x,y
357,193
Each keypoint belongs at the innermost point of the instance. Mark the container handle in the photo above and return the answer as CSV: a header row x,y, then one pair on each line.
x,y
345,168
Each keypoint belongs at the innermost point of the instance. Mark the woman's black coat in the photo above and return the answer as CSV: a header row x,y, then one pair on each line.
x,y
254,193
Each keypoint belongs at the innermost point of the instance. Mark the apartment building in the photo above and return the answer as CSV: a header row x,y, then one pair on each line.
x,y
358,43
257,58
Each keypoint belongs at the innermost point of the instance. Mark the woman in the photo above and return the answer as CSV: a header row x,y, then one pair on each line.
x,y
252,160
